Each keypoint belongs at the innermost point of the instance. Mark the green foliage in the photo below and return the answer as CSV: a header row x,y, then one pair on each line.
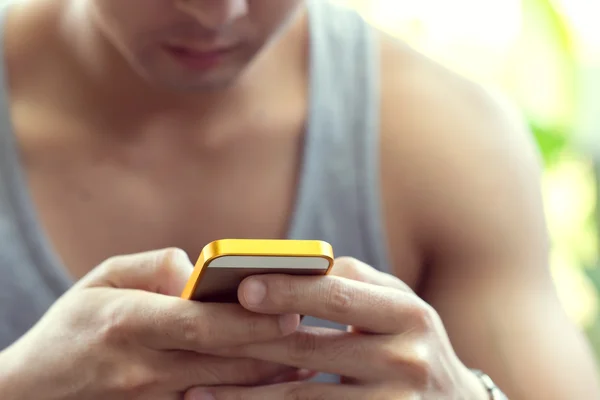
x,y
593,331
546,34
545,27
553,142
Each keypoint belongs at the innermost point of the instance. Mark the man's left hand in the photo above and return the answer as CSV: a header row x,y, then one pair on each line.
x,y
396,346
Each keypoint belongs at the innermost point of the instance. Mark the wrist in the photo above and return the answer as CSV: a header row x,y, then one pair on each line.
x,y
494,393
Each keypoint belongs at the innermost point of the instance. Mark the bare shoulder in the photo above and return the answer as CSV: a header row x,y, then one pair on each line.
x,y
459,165
461,180
30,49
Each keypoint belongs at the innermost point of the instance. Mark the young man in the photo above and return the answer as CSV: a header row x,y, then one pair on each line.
x,y
130,126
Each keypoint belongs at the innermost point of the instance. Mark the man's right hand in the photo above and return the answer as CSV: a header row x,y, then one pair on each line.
x,y
122,333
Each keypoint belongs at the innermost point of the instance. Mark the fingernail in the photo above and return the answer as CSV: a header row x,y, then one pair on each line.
x,y
255,292
305,374
199,395
289,323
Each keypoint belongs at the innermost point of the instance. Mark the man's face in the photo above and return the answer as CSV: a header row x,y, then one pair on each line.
x,y
191,44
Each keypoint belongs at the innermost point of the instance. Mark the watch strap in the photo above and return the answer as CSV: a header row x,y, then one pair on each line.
x,y
488,383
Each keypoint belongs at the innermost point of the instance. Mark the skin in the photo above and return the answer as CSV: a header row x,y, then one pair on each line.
x,y
128,336
105,113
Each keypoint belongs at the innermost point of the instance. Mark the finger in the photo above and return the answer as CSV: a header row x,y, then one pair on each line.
x,y
368,307
304,391
351,268
295,375
366,358
161,271
171,323
354,269
181,370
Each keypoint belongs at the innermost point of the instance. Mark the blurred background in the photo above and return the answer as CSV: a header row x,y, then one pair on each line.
x,y
544,55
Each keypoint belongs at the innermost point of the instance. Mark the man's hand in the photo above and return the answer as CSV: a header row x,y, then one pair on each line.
x,y
121,333
395,349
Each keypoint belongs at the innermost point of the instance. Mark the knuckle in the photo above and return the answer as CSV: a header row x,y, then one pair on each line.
x,y
114,323
421,371
134,380
111,265
422,316
350,267
339,297
283,292
171,255
166,260
415,364
109,271
190,330
191,327
302,346
200,333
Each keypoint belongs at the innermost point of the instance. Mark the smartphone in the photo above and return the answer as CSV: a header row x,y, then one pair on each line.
x,y
224,264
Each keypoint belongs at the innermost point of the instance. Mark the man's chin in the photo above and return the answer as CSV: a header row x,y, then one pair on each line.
x,y
192,83
199,87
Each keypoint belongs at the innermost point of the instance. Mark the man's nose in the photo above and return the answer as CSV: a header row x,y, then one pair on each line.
x,y
214,14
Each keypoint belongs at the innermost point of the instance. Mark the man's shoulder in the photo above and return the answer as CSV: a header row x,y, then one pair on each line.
x,y
429,110
449,146
421,96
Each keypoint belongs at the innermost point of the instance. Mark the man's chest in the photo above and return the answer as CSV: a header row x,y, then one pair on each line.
x,y
94,200
97,203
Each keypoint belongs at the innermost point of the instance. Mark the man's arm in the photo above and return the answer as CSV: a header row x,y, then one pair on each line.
x,y
467,176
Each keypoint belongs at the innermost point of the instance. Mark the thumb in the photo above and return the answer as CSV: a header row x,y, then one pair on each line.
x,y
161,271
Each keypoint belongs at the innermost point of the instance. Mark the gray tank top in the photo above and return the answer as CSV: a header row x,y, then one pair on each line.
x,y
338,198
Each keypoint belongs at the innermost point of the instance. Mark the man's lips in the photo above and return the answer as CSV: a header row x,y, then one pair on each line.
x,y
199,58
